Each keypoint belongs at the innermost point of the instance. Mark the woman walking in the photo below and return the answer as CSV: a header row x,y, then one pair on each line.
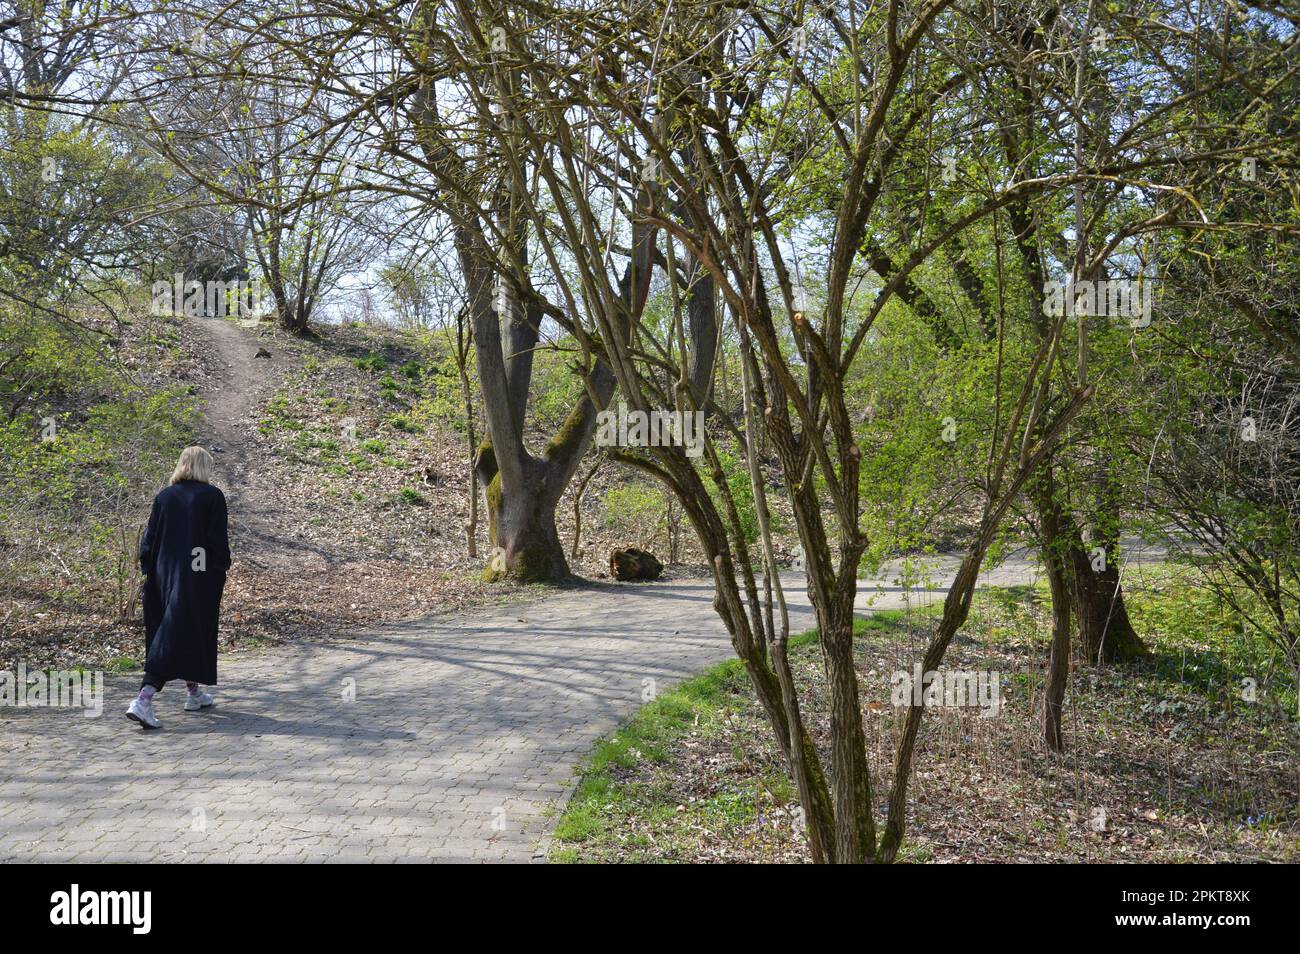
x,y
184,554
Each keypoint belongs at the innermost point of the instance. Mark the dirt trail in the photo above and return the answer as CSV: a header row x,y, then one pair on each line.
x,y
239,382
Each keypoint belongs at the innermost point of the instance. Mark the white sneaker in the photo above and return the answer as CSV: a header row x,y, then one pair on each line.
x,y
198,699
142,712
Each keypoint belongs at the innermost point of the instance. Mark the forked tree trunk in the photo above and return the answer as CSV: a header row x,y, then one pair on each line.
x,y
521,527
506,314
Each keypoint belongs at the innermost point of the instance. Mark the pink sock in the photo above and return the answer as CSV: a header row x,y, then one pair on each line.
x,y
146,694
192,686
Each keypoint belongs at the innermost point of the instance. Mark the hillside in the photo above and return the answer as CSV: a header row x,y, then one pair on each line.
x,y
346,463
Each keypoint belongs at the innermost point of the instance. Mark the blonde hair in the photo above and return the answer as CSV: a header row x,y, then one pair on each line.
x,y
195,464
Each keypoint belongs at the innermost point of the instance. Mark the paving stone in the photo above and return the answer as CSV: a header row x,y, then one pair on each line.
x,y
464,734
464,731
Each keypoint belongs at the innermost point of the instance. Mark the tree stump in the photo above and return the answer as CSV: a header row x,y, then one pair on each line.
x,y
633,564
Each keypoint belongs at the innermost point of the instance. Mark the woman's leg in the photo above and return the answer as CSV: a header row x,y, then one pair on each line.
x,y
149,686
198,699
141,708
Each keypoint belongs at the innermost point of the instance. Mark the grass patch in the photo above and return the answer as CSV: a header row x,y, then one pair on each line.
x,y
612,788
280,416
695,775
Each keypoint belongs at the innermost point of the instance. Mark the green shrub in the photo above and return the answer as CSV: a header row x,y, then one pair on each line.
x,y
636,509
412,496
280,416
401,422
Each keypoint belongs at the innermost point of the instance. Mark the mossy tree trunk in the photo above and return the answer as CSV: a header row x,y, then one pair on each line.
x,y
525,542
505,313
523,489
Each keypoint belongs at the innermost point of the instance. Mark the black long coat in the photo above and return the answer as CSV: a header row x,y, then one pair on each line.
x,y
184,554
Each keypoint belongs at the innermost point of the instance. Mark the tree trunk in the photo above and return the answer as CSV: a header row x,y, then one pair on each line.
x,y
296,322
577,508
1105,632
526,535
522,490
855,839
773,684
521,527
467,397
1054,543
832,595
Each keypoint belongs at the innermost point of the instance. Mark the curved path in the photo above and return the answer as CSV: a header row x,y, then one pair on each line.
x,y
445,739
